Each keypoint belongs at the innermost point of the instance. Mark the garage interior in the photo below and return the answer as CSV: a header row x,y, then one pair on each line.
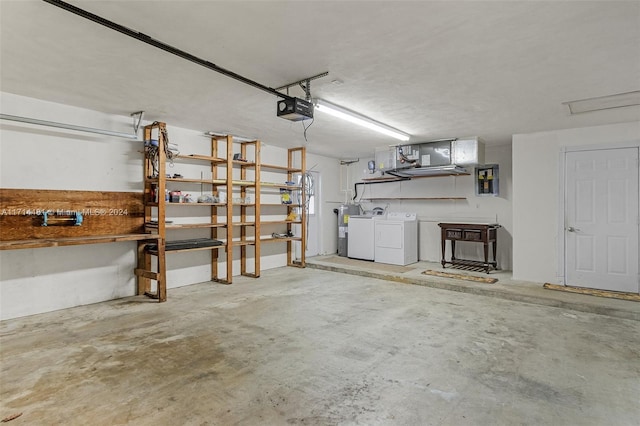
x,y
318,212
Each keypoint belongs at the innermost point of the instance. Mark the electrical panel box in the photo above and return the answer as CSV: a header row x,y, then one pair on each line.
x,y
487,180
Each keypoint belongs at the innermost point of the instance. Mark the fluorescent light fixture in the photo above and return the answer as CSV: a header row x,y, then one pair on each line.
x,y
604,102
361,120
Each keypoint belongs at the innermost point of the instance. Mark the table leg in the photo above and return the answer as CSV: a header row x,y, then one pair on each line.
x,y
144,264
444,248
495,243
486,256
162,271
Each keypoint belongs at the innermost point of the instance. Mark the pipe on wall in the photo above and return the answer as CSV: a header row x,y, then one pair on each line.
x,y
68,126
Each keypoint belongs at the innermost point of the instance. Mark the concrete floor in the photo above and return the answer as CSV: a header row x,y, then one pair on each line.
x,y
505,288
314,347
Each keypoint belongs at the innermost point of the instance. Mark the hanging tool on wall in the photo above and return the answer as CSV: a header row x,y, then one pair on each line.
x,y
51,218
152,151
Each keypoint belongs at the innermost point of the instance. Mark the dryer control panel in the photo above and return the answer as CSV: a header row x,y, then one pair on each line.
x,y
402,216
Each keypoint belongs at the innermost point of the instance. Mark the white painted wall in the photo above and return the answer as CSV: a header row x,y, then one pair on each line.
x,y
36,157
473,209
536,165
41,280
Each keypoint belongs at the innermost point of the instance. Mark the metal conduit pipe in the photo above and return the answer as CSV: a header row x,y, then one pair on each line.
x,y
67,126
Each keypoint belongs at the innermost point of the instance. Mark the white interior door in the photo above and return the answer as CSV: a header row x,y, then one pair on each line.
x,y
601,226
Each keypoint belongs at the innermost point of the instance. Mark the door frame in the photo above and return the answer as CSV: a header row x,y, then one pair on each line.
x,y
318,211
561,223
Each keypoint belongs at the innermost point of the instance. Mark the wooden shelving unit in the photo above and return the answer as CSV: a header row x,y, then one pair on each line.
x,y
238,179
156,184
248,187
296,164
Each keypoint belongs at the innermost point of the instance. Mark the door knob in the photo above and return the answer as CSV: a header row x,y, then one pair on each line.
x,y
572,229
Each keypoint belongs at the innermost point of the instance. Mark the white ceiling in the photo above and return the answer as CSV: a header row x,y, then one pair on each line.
x,y
433,69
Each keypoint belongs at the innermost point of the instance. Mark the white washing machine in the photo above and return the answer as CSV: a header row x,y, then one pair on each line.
x,y
396,239
360,237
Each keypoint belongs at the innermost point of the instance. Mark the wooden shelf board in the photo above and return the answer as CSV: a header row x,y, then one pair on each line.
x,y
74,241
188,225
276,222
243,183
280,185
264,240
244,224
185,180
274,240
243,243
208,204
189,204
216,160
195,249
247,164
211,181
283,168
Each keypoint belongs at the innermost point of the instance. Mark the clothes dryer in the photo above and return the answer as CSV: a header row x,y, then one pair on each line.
x,y
396,239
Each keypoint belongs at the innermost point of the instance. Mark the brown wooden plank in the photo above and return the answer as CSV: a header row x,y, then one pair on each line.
x,y
229,210
211,158
275,240
284,168
146,273
594,292
26,244
162,271
104,213
73,241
